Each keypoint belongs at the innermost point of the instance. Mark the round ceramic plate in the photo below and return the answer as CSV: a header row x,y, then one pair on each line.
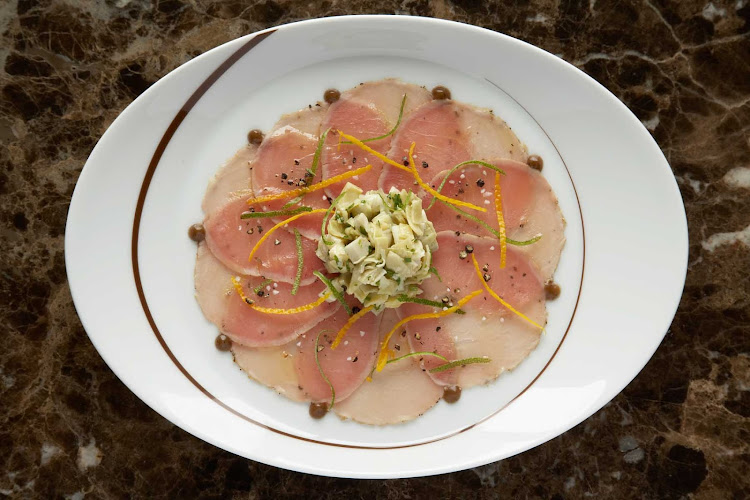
x,y
130,263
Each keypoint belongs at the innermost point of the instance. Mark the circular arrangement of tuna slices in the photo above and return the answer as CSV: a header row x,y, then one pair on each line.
x,y
431,278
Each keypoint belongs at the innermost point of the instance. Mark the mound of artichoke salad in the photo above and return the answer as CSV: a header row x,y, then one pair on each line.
x,y
379,245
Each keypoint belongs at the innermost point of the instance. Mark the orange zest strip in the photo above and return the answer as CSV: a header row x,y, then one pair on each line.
x,y
434,193
309,189
500,220
268,310
499,299
348,324
280,224
367,148
383,357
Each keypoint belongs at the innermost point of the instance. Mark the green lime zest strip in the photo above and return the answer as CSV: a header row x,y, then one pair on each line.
x,y
320,369
300,261
312,170
260,287
293,201
398,122
419,300
523,243
434,271
426,302
316,156
274,213
490,228
325,221
463,163
412,354
334,291
459,362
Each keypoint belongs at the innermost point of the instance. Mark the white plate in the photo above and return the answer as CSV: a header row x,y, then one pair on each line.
x,y
130,262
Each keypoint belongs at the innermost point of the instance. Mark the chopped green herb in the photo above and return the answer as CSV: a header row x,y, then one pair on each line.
x,y
397,201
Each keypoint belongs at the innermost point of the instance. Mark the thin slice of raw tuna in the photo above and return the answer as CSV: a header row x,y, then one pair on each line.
x,y
366,111
233,176
231,239
440,141
540,214
222,305
306,120
530,208
518,283
447,133
271,366
399,393
346,366
283,160
505,340
490,136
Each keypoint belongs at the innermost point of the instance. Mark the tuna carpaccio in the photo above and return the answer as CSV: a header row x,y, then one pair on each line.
x,y
293,353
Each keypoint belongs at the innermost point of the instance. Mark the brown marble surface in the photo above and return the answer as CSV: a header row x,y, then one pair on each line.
x,y
70,428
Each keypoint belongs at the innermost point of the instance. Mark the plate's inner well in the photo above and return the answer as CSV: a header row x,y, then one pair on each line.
x,y
195,153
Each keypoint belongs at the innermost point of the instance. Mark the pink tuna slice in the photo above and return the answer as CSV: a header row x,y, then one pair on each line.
x,y
347,366
283,158
518,283
231,239
516,195
222,305
440,144
272,367
530,208
447,133
366,111
233,176
399,393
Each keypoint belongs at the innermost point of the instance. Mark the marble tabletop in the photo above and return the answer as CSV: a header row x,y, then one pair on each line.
x,y
69,428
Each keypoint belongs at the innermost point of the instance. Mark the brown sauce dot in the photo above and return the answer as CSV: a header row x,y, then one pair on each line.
x,y
452,394
197,233
535,162
440,93
552,290
255,136
318,410
223,343
331,95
